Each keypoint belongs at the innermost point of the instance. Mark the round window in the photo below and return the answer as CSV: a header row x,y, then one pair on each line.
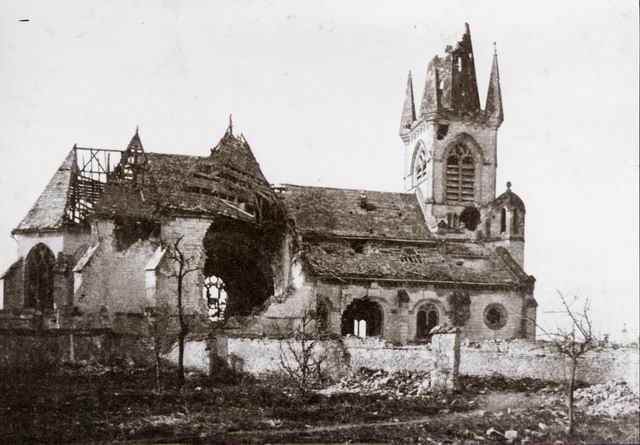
x,y
495,316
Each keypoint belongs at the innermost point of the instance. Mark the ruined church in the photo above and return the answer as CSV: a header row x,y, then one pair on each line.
x,y
119,234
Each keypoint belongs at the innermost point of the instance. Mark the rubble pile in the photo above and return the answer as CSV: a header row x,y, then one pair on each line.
x,y
610,399
377,381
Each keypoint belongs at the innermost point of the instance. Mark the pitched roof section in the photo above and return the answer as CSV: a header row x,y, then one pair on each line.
x,y
228,182
355,213
454,263
48,213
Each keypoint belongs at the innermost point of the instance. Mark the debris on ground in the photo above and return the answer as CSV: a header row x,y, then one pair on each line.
x,y
610,399
377,381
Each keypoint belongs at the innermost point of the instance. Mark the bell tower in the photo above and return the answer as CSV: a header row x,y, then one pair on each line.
x,y
450,147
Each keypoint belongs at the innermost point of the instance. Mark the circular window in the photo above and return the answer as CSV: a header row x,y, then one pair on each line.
x,y
495,316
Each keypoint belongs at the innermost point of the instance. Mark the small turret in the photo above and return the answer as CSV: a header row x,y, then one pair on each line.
x,y
409,109
504,224
493,107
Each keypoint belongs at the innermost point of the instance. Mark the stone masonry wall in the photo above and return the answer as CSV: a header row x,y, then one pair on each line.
x,y
519,358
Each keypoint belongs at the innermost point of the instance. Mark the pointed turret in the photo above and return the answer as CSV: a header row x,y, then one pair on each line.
x,y
133,164
431,99
409,108
493,107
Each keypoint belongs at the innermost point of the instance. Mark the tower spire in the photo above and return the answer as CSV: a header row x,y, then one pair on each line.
x,y
493,107
409,108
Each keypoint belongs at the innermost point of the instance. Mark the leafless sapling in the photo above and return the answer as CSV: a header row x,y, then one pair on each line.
x,y
183,264
573,343
302,357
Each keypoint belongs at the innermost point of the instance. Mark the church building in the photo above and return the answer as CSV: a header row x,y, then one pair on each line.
x,y
117,235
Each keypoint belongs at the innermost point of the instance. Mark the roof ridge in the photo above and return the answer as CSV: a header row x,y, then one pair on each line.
x,y
346,189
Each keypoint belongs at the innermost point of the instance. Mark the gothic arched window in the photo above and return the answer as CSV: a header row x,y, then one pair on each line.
x,y
420,165
216,295
460,175
38,281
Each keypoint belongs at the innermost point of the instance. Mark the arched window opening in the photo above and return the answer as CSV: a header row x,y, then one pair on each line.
x,y
39,278
460,175
420,166
426,319
503,220
362,318
214,292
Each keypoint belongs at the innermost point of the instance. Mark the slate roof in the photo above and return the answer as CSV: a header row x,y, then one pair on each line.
x,y
48,212
467,263
355,213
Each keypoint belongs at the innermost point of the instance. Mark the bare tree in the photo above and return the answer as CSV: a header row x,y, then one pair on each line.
x,y
183,266
573,343
301,356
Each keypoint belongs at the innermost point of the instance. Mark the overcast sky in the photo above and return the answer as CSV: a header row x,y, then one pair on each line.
x,y
317,88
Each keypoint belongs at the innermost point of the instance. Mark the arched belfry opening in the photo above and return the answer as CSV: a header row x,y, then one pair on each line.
x,y
362,318
38,278
238,273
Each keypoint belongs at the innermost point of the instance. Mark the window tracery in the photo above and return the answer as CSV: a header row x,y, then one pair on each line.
x,y
460,175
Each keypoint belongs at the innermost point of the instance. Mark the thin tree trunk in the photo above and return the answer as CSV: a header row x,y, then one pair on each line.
x,y
180,333
572,384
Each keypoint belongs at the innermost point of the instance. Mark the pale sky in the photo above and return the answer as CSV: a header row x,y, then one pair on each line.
x,y
317,88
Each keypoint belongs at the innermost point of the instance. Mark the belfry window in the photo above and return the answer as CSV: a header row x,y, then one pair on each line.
x,y
460,175
38,284
420,168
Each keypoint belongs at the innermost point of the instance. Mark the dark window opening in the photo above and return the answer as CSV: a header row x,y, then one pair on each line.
x,y
362,318
495,316
460,175
39,269
427,319
442,131
503,220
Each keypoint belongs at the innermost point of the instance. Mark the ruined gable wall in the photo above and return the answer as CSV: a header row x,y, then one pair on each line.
x,y
113,279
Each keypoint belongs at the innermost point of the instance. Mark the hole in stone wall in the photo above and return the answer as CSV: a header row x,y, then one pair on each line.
x,y
128,231
470,217
442,131
240,255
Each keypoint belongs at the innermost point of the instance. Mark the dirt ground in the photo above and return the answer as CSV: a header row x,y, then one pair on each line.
x,y
89,404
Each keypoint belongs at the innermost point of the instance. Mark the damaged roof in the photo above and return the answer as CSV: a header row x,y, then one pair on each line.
x,y
465,264
355,213
227,182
